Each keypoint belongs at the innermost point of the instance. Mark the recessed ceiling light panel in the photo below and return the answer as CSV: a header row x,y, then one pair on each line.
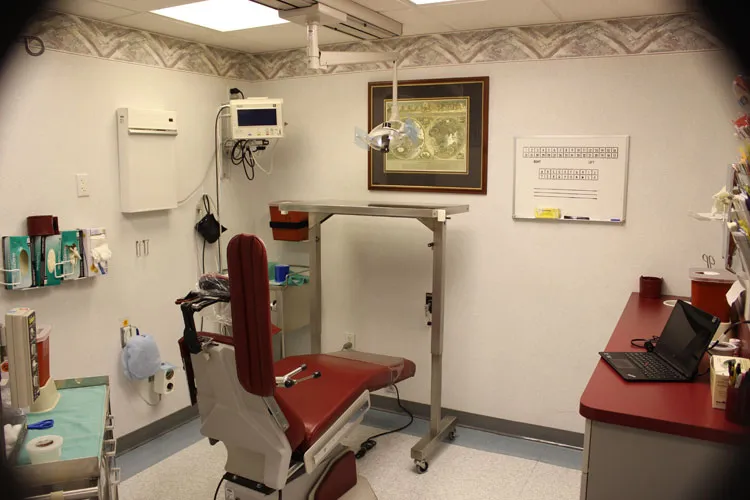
x,y
224,15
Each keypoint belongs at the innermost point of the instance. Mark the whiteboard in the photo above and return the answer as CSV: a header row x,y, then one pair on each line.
x,y
581,178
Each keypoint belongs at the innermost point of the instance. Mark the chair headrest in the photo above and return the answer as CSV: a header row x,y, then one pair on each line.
x,y
251,314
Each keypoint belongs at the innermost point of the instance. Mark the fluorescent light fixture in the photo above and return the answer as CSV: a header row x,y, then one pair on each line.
x,y
224,15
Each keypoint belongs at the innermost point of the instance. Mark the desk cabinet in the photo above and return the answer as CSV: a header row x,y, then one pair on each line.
x,y
624,463
652,440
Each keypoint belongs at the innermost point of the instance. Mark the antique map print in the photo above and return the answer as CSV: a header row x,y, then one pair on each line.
x,y
442,147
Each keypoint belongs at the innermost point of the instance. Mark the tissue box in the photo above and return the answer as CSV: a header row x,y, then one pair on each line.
x,y
17,262
720,378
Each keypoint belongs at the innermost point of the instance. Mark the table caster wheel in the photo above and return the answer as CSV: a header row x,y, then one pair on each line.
x,y
452,436
422,466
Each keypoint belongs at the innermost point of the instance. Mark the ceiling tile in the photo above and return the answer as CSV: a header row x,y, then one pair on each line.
x,y
146,5
89,8
416,22
581,10
384,5
490,13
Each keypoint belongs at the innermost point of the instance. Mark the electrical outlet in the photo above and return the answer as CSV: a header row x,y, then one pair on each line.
x,y
351,338
82,185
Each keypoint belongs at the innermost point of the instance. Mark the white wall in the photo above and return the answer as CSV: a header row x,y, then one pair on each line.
x,y
514,288
57,119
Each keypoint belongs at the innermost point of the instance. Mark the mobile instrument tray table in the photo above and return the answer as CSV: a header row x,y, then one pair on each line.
x,y
435,218
87,468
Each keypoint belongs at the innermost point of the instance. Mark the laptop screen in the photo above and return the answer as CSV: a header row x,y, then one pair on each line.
x,y
685,337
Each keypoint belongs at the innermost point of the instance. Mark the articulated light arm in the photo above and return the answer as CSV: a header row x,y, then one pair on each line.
x,y
317,59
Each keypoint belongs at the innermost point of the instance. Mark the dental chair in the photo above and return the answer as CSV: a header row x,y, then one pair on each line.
x,y
282,423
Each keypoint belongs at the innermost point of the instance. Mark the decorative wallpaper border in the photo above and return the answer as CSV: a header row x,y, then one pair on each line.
x,y
616,37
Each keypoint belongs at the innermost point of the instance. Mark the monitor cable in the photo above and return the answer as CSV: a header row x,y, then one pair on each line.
x,y
242,154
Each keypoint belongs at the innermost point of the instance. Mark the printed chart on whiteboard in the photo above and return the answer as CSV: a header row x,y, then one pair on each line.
x,y
571,178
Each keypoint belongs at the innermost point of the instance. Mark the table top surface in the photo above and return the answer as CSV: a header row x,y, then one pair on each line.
x,y
678,408
371,208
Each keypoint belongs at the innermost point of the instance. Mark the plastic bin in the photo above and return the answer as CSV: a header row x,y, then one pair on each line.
x,y
709,291
292,226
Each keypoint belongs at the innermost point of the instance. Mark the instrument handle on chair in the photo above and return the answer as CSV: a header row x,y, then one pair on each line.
x,y
290,382
309,377
286,380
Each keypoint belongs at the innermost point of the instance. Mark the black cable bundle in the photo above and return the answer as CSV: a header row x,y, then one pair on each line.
x,y
242,154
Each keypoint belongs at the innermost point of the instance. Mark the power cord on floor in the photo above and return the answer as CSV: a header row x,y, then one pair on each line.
x,y
216,495
370,442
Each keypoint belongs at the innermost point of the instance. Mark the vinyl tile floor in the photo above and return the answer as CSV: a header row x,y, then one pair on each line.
x,y
478,465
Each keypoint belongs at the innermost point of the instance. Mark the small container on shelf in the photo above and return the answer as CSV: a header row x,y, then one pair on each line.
x,y
709,289
650,287
738,405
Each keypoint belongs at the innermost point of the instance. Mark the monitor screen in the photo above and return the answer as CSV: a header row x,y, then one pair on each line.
x,y
686,336
257,117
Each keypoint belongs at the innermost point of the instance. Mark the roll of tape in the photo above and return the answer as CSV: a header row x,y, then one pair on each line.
x,y
45,449
724,349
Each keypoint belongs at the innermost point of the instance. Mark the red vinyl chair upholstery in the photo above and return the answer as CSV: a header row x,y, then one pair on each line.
x,y
251,314
313,406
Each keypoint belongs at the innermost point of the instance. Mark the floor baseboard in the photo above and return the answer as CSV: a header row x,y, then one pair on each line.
x,y
485,423
465,419
155,429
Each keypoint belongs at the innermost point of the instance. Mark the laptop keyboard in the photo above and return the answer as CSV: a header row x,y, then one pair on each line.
x,y
652,366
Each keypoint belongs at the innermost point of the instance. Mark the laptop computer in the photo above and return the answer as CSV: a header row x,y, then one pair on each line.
x,y
678,352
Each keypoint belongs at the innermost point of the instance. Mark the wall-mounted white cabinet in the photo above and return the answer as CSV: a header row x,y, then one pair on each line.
x,y
148,171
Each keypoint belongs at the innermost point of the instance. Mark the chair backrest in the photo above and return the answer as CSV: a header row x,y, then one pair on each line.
x,y
251,314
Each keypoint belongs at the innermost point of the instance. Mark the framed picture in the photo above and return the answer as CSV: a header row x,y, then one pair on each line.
x,y
450,155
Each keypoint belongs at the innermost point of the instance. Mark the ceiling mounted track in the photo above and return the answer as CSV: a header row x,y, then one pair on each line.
x,y
359,21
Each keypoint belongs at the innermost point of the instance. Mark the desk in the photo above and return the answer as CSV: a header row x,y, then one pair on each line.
x,y
435,218
650,440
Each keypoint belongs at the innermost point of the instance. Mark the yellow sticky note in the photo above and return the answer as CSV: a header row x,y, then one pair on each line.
x,y
547,213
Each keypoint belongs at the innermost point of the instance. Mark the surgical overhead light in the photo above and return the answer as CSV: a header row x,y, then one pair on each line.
x,y
389,134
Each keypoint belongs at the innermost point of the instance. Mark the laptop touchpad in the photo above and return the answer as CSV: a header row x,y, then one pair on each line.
x,y
623,363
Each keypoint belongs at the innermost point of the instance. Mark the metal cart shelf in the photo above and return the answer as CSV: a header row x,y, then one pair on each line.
x,y
435,218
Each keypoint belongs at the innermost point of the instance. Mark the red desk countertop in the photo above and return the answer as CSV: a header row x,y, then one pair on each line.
x,y
682,409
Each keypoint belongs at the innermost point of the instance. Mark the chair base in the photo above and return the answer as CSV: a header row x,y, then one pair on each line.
x,y
362,491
